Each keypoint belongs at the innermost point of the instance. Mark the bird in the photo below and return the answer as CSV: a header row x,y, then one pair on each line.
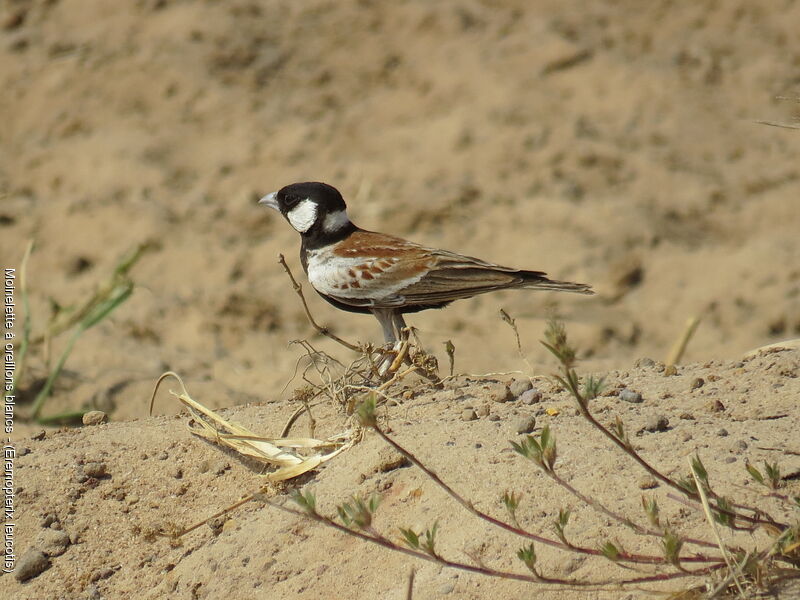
x,y
363,271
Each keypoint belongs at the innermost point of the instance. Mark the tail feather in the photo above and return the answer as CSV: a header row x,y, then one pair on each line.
x,y
539,281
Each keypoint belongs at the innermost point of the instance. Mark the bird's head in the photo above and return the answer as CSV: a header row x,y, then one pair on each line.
x,y
312,208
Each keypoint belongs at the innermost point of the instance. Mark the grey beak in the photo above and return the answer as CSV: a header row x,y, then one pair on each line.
x,y
270,200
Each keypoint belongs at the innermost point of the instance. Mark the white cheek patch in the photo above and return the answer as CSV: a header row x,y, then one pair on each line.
x,y
303,216
335,221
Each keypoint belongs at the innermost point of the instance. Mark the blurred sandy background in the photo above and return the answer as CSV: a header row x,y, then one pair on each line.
x,y
610,142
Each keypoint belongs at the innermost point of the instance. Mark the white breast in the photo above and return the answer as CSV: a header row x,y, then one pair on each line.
x,y
333,275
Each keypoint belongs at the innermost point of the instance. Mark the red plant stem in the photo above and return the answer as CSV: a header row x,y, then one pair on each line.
x,y
386,543
638,528
622,557
663,478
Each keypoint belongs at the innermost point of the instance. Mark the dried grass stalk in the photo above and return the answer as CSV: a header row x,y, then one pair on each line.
x,y
274,452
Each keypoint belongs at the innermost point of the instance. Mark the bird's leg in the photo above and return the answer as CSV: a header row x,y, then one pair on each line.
x,y
385,317
399,324
425,363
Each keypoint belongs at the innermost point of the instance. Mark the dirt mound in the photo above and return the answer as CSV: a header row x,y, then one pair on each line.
x,y
109,487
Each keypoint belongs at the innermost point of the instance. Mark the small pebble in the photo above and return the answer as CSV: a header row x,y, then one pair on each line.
x,y
686,436
722,432
389,460
92,593
39,435
519,387
23,451
162,455
48,520
446,588
95,417
645,362
95,469
647,483
503,394
570,565
526,424
686,416
657,423
31,564
716,406
52,542
101,574
483,410
494,417
730,459
531,396
221,467
741,445
468,415
216,525
627,395
697,383
670,370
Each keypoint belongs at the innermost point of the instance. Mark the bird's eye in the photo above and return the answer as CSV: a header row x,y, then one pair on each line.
x,y
290,201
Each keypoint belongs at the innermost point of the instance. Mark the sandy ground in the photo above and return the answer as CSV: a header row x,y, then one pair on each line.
x,y
610,144
156,475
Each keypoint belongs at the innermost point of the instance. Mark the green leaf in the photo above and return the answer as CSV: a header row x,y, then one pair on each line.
x,y
511,501
344,515
700,470
650,506
723,516
306,501
102,309
544,437
374,502
521,449
754,473
610,551
688,485
561,524
358,512
672,545
563,517
365,412
773,472
411,538
430,539
527,555
618,429
593,387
